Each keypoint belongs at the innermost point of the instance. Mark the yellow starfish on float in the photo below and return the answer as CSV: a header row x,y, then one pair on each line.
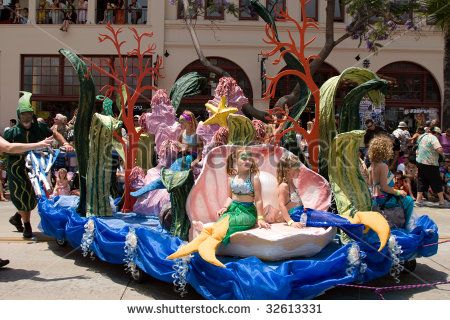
x,y
219,113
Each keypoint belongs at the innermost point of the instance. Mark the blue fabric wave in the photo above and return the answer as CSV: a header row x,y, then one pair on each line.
x,y
248,278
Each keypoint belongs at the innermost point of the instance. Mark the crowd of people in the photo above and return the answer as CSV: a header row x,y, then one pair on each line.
x,y
13,13
419,161
66,12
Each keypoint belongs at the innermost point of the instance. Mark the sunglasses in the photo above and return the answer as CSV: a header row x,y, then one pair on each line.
x,y
245,156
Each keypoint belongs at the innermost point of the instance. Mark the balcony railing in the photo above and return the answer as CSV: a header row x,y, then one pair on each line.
x,y
57,16
122,16
77,16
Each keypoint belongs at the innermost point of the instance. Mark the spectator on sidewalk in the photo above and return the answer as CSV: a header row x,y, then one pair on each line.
x,y
410,171
444,139
402,134
12,123
372,131
428,152
60,126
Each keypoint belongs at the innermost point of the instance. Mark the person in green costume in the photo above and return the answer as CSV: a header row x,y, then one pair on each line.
x,y
7,147
26,131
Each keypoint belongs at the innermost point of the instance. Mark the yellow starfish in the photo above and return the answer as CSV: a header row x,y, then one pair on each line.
x,y
219,113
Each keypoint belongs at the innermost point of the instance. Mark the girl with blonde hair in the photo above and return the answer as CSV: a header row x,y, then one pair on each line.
x,y
62,186
290,203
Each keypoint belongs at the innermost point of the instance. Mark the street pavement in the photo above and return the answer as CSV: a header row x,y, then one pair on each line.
x,y
44,270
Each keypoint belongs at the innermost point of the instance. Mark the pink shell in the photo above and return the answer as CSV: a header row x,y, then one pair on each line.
x,y
209,193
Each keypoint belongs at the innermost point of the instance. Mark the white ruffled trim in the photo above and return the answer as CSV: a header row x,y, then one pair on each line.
x,y
354,259
395,250
412,222
130,251
181,268
88,239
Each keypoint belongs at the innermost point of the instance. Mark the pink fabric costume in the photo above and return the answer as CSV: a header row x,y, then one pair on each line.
x,y
61,189
162,122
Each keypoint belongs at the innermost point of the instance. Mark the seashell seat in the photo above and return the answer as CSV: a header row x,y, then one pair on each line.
x,y
281,241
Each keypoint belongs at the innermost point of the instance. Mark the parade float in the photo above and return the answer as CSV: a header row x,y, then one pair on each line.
x,y
162,208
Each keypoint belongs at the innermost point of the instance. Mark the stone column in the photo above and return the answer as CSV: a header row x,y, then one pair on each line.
x,y
32,4
91,14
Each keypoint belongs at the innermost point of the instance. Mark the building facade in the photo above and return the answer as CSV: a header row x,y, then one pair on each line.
x,y
29,58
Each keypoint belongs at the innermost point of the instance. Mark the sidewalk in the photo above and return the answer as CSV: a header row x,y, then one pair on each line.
x,y
44,270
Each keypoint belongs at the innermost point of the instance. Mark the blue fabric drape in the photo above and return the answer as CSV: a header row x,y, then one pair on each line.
x,y
248,278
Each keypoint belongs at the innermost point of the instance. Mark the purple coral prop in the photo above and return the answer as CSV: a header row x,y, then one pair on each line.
x,y
162,121
229,88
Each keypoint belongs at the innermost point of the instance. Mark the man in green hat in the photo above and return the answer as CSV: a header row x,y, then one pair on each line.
x,y
22,193
5,146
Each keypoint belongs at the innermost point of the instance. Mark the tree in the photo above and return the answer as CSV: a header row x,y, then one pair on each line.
x,y
373,21
438,12
193,8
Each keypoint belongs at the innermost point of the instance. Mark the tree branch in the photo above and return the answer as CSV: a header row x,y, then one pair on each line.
x,y
195,41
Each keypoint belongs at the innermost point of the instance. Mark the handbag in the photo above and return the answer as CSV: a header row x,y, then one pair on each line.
x,y
395,216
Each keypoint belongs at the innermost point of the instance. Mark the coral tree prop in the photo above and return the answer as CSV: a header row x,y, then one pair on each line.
x,y
127,96
297,49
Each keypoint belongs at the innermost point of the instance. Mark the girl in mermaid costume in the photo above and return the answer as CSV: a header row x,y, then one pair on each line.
x,y
291,205
242,210
296,215
191,143
382,183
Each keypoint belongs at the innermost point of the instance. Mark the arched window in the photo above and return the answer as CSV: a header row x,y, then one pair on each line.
x,y
413,92
196,104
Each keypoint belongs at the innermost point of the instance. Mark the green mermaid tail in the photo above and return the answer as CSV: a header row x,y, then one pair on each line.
x,y
242,217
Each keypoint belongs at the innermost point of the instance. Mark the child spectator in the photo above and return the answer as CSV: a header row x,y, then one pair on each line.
x,y
41,13
24,16
70,16
400,182
62,187
17,13
108,15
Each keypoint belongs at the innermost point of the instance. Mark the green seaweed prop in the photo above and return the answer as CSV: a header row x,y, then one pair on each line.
x,y
100,165
241,130
349,115
188,85
349,187
328,91
178,184
83,122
